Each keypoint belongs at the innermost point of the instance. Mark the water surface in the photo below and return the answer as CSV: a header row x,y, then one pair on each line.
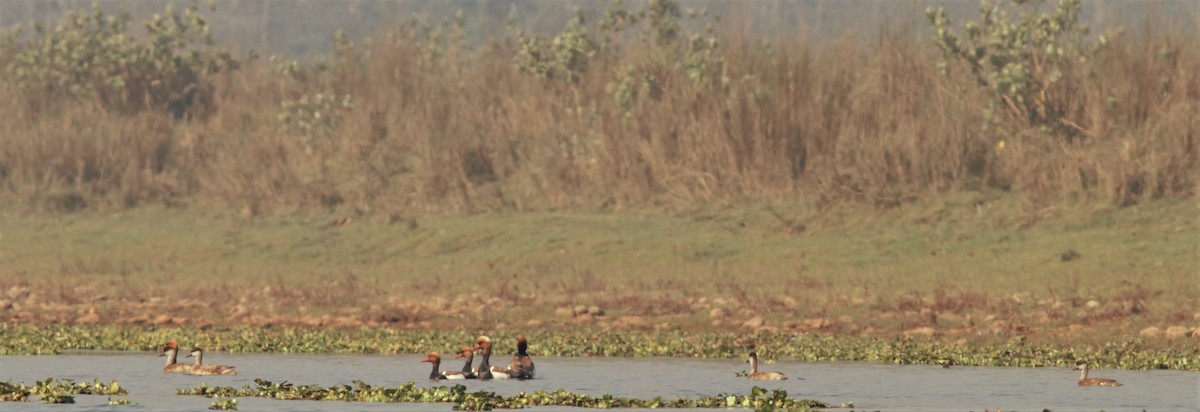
x,y
869,386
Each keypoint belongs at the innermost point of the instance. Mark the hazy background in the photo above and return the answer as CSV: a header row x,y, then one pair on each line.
x,y
303,28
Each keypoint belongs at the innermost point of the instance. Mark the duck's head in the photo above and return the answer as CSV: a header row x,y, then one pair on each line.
x,y
170,346
432,357
195,352
1080,365
465,352
483,342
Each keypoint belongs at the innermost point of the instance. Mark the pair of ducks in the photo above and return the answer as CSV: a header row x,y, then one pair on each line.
x,y
1080,366
521,366
171,350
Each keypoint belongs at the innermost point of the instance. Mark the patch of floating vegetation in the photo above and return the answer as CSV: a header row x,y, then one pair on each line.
x,y
58,390
484,400
120,401
27,338
224,405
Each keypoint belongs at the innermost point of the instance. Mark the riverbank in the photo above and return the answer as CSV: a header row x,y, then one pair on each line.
x,y
972,271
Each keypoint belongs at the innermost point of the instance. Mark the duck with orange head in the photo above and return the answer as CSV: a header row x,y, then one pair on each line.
x,y
467,372
436,361
486,370
171,351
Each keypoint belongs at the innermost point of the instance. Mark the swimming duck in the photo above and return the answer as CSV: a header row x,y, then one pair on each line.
x,y
436,361
201,368
486,370
521,366
466,372
171,350
755,375
1082,367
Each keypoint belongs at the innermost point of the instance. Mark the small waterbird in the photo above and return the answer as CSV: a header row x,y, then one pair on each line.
x,y
755,375
171,350
1082,367
521,366
466,372
201,368
486,370
436,360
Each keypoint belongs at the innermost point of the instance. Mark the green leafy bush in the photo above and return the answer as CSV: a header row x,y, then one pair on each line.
x,y
1027,62
565,56
92,58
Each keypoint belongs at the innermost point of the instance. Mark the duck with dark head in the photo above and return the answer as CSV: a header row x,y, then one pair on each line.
x,y
201,368
521,366
755,375
1084,380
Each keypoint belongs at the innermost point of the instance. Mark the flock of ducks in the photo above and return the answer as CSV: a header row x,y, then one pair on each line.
x,y
521,366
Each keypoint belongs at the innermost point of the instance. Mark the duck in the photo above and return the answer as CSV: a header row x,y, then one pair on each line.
x,y
466,372
436,360
171,350
1082,367
486,370
755,375
521,366
201,368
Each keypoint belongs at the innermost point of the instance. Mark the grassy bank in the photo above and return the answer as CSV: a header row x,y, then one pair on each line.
x,y
971,269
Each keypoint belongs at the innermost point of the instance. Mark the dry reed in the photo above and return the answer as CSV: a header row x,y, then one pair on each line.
x,y
435,127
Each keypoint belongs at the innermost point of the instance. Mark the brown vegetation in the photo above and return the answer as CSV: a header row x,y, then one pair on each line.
x,y
416,123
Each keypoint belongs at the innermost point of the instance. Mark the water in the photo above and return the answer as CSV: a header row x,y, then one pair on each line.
x,y
869,386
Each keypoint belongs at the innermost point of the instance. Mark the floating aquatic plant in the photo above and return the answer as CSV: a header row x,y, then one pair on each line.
x,y
57,390
484,400
1129,354
224,405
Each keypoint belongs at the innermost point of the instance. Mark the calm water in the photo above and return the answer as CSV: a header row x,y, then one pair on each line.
x,y
869,386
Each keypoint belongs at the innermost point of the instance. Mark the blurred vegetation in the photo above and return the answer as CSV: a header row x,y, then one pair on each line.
x,y
1136,354
758,398
641,105
1032,64
93,59
59,390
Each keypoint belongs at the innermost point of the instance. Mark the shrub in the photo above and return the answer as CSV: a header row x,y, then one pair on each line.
x,y
1028,62
91,58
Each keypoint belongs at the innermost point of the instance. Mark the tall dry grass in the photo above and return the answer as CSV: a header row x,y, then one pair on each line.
x,y
435,127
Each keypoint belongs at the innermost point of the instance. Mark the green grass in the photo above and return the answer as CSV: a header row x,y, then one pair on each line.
x,y
957,264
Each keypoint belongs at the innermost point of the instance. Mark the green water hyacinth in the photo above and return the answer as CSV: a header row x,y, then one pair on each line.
x,y
54,390
484,400
26,338
224,405
120,401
